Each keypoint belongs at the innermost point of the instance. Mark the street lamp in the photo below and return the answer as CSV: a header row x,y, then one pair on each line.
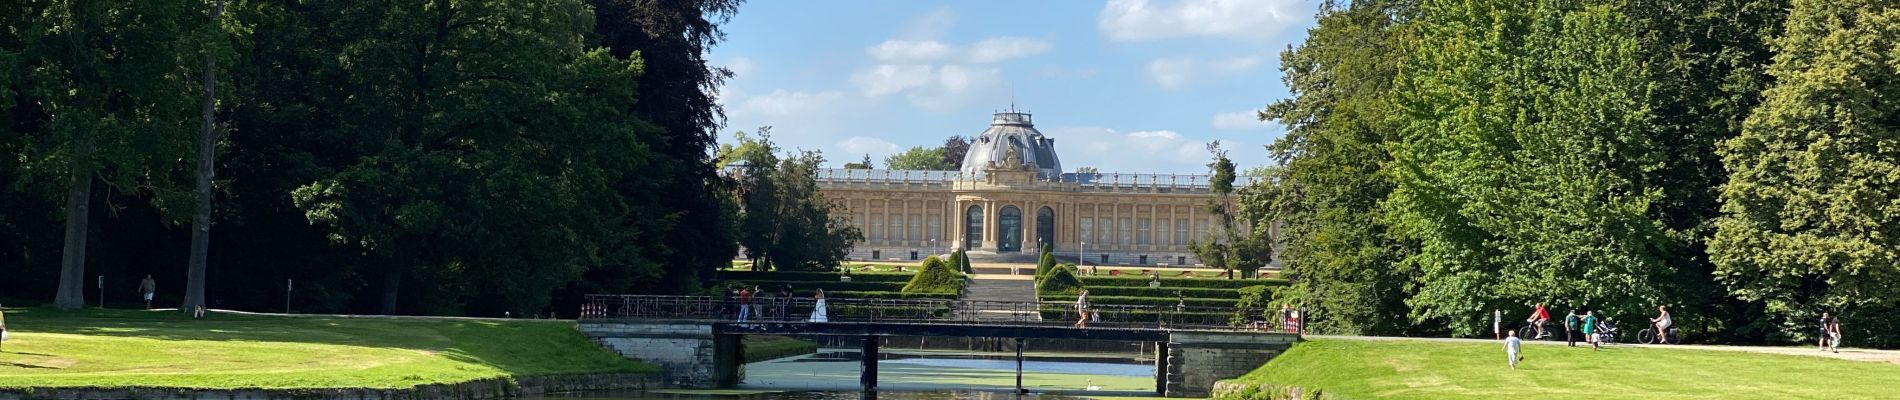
x,y
1081,262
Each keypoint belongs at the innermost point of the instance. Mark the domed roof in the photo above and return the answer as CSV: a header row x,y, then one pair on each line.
x,y
1012,132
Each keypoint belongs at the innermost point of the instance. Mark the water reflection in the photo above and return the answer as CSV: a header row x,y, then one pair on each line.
x,y
943,373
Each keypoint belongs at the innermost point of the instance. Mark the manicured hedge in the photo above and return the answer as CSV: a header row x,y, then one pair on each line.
x,y
1166,292
1166,282
899,277
1144,317
936,277
1140,301
828,286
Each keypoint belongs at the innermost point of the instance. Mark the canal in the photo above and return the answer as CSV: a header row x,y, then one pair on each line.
x,y
926,374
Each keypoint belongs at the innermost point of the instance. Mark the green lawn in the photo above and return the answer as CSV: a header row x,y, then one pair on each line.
x,y
162,349
1357,369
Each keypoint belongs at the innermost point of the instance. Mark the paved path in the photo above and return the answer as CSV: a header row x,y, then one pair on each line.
x,y
1873,355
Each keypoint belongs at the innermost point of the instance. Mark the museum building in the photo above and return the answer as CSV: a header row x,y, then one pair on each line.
x,y
1011,195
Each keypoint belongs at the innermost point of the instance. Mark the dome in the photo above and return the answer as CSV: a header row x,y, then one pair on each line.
x,y
1012,132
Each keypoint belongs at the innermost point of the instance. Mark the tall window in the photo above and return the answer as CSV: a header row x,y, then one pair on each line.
x,y
877,227
1126,225
1088,229
916,227
973,227
936,227
1181,231
897,227
1142,231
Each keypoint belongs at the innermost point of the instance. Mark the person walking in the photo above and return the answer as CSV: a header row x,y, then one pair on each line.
x,y
1570,327
1511,348
1825,333
818,310
146,287
3,328
1590,330
1082,309
745,303
1831,330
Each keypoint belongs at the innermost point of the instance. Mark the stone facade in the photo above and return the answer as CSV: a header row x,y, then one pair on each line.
x,y
688,353
1010,197
1196,360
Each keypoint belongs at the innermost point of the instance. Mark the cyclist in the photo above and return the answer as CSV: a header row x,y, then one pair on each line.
x,y
1662,322
1538,317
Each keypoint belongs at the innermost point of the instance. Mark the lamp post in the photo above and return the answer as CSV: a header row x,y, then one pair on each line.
x,y
1080,261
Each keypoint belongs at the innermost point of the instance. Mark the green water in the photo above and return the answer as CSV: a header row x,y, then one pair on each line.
x,y
919,375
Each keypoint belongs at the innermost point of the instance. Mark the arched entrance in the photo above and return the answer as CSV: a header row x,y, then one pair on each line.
x,y
973,227
1046,227
1009,227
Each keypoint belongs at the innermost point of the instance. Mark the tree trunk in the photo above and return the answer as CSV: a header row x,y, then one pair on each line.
x,y
72,264
392,280
207,153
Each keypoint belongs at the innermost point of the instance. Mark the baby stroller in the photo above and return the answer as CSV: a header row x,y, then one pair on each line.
x,y
1606,332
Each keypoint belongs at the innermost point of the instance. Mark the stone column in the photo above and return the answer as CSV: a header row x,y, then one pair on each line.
x,y
991,218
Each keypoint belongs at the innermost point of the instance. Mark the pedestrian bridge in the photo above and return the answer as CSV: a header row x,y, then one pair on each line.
x,y
696,340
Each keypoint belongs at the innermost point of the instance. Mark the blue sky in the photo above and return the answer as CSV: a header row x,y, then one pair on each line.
x,y
1121,85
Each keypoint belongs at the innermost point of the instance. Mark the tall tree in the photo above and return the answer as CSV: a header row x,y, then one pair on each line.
x,y
1086,170
678,94
865,164
954,149
919,158
1526,161
787,224
1342,259
1232,243
207,158
1811,210
106,93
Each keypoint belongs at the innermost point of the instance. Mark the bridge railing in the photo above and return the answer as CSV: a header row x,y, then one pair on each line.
x,y
935,311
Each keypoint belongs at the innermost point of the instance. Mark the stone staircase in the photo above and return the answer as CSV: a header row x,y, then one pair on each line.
x,y
1008,290
1029,257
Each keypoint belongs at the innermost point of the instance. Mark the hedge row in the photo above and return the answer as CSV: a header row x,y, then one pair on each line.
x,y
1145,317
1167,292
828,286
1141,301
771,347
1201,283
888,295
899,277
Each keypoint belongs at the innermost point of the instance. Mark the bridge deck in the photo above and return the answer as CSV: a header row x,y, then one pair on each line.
x,y
921,316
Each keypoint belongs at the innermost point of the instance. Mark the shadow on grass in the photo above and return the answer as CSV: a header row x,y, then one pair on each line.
x,y
523,347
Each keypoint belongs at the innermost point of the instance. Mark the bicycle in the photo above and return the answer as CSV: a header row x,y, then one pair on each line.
x,y
1648,336
1529,332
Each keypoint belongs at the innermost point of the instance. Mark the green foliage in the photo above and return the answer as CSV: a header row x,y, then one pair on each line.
x,y
1061,281
771,347
1237,243
1811,210
1204,283
1168,301
1328,189
807,276
1046,264
866,164
787,224
1168,292
1251,306
935,277
919,158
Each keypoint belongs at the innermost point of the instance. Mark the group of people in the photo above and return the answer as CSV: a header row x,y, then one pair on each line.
x,y
751,307
1830,332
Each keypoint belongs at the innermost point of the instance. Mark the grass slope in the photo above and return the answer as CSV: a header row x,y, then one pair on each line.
x,y
1357,369
162,349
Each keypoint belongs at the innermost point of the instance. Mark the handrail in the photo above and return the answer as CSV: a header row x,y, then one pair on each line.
x,y
931,311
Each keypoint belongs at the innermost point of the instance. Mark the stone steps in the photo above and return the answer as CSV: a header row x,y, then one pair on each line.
x,y
1009,290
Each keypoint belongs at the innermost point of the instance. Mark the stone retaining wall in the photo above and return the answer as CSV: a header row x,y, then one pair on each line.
x,y
498,388
1196,361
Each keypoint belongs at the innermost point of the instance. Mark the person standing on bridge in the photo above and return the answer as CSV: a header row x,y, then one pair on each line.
x,y
1082,309
745,303
818,310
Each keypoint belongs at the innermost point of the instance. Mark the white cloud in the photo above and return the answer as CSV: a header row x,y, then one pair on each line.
x,y
999,49
1133,20
909,51
741,67
1177,72
988,51
1108,150
857,146
778,103
890,78
930,25
1238,121
1170,73
1057,71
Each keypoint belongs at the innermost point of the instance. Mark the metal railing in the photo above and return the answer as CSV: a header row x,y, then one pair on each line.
x,y
932,311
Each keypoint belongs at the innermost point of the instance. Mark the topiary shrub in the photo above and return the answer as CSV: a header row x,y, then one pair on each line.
x,y
957,262
1045,265
935,277
1060,281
